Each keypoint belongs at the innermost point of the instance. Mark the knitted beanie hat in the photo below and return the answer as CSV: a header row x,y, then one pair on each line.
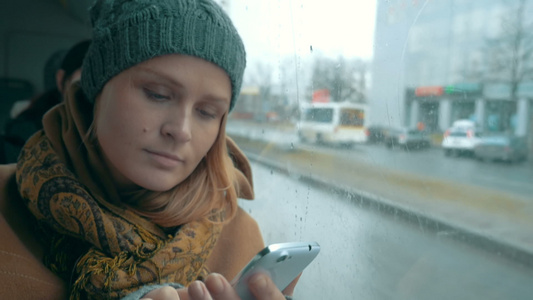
x,y
128,32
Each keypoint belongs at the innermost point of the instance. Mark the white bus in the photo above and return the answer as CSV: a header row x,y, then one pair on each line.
x,y
341,123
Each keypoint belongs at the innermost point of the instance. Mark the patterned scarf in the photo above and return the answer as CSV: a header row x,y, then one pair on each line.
x,y
62,182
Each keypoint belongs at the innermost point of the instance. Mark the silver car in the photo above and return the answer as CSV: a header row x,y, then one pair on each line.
x,y
507,148
408,139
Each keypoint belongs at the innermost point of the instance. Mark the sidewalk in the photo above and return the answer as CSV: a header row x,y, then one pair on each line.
x,y
492,219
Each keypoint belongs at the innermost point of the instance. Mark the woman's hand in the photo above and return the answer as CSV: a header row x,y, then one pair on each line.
x,y
216,287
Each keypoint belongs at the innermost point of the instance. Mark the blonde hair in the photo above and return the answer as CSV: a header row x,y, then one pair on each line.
x,y
210,191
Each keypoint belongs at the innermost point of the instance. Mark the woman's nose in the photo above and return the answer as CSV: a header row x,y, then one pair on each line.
x,y
178,127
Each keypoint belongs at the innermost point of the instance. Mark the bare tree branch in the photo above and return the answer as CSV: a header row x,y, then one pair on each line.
x,y
344,78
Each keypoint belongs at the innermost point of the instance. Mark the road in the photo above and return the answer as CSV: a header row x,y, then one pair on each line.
x,y
510,178
372,256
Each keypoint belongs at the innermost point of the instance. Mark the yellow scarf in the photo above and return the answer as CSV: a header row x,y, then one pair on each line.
x,y
63,182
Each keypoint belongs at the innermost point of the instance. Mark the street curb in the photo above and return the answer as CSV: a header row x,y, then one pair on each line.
x,y
410,215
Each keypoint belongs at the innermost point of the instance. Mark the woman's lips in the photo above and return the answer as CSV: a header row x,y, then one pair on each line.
x,y
167,160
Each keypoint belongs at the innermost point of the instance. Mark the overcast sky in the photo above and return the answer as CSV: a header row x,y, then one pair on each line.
x,y
288,27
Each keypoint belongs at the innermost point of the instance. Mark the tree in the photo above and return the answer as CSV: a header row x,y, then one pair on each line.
x,y
344,78
509,54
260,75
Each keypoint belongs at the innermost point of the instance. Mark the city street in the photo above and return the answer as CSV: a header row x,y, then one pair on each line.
x,y
509,178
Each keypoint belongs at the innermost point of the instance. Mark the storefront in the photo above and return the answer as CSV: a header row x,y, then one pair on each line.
x,y
500,116
438,106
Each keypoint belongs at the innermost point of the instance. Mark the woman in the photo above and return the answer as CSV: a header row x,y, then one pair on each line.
x,y
143,190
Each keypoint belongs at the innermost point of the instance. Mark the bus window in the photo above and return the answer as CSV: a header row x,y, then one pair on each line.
x,y
321,115
352,117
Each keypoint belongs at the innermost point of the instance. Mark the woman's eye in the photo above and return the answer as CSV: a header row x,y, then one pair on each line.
x,y
154,95
207,113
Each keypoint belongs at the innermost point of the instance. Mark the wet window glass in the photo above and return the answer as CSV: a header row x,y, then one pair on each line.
x,y
432,199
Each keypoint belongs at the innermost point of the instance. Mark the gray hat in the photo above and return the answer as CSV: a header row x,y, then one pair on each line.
x,y
126,33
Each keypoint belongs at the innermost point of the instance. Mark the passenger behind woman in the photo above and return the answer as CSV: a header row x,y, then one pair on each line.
x,y
53,63
133,181
29,121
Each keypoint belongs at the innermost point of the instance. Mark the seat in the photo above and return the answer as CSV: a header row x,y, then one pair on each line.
x,y
12,90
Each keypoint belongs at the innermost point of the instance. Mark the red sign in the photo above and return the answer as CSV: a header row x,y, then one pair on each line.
x,y
429,91
321,96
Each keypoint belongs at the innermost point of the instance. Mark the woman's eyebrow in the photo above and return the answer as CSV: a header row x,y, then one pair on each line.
x,y
218,100
160,75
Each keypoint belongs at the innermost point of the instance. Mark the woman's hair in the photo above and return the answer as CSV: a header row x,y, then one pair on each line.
x,y
210,191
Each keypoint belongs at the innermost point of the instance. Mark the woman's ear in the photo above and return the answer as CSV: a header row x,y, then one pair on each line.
x,y
60,74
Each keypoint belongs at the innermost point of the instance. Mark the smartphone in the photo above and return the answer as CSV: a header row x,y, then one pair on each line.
x,y
283,262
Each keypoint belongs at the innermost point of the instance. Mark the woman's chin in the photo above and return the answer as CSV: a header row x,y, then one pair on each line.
x,y
156,184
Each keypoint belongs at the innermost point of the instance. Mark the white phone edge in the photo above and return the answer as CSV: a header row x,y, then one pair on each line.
x,y
299,254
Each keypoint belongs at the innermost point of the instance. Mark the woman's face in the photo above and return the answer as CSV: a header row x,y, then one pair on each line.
x,y
156,121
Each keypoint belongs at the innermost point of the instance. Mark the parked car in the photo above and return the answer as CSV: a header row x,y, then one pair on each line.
x,y
376,134
461,138
507,148
407,139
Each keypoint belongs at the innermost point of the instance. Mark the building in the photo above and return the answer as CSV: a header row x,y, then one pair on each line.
x,y
438,61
